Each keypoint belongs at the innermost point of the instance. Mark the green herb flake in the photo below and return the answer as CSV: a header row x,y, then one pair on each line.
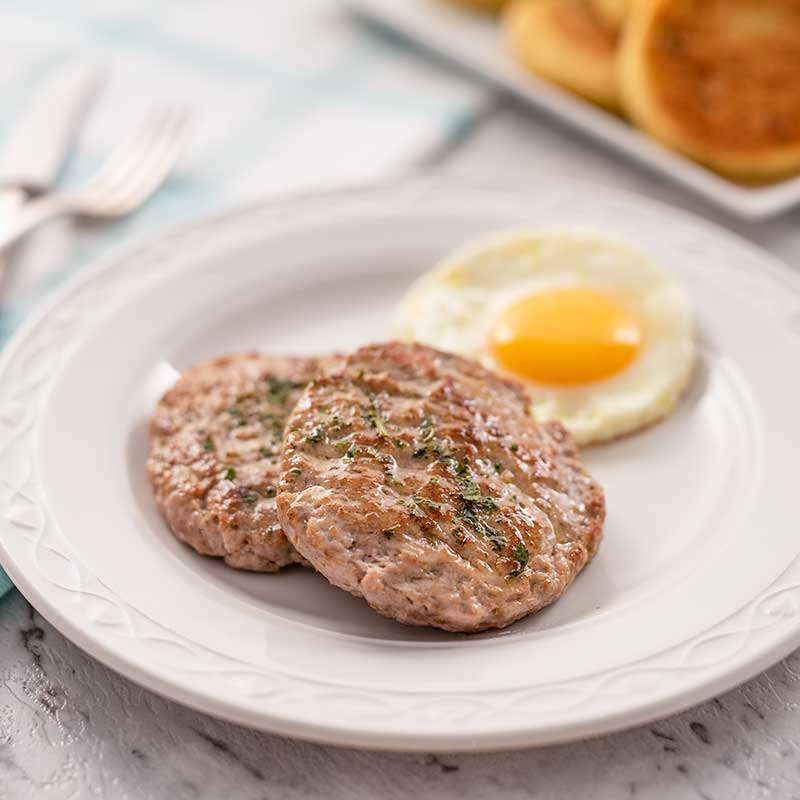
x,y
514,447
400,443
522,556
427,428
496,538
269,491
208,444
458,535
250,497
278,390
418,505
230,474
373,415
388,533
471,494
420,452
470,515
317,434
296,471
266,452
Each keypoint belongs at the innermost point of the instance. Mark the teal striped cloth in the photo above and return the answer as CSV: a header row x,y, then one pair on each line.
x,y
283,95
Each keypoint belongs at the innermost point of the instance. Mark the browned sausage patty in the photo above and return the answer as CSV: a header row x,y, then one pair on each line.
x,y
216,440
417,480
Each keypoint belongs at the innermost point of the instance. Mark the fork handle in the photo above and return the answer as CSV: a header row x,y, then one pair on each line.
x,y
29,217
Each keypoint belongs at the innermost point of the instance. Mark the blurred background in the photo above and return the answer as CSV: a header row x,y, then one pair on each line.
x,y
282,97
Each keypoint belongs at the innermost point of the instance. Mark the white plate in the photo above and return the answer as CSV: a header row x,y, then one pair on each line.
x,y
697,584
474,41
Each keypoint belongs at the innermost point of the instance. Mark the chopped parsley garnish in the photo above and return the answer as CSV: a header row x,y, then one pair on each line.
x,y
496,538
373,415
230,474
250,497
427,428
266,452
317,434
358,451
400,443
469,514
522,556
420,452
471,494
388,533
278,390
295,471
208,444
417,505
470,491
514,447
269,491
390,465
458,535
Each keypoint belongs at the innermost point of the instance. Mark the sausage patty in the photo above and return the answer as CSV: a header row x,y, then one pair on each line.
x,y
418,480
216,440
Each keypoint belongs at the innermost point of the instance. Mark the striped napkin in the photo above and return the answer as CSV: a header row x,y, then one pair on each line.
x,y
284,96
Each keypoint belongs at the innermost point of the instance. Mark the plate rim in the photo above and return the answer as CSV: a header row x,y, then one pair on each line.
x,y
151,679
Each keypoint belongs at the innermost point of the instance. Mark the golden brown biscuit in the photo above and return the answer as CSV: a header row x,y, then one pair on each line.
x,y
718,80
480,5
567,42
613,12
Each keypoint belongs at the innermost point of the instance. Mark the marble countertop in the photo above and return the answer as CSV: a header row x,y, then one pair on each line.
x,y
71,728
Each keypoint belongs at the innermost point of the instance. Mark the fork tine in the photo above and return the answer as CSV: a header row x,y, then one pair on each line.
x,y
137,168
125,180
126,154
153,167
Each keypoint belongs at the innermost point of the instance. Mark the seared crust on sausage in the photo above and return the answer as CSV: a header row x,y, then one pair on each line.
x,y
216,441
417,480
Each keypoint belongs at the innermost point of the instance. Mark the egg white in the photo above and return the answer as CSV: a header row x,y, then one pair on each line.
x,y
454,306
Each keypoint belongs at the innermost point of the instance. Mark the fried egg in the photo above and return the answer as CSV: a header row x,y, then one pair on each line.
x,y
601,337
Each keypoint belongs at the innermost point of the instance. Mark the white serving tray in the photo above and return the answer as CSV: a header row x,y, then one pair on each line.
x,y
475,42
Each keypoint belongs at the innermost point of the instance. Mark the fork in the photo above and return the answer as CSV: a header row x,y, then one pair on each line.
x,y
128,177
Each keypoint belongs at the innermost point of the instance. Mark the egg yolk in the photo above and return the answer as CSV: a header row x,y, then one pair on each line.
x,y
565,336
